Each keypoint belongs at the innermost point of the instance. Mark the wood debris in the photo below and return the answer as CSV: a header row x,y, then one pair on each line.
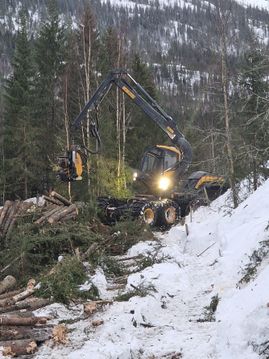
x,y
57,209
92,307
60,334
97,323
20,330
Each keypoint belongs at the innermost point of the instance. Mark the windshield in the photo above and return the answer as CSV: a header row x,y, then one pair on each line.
x,y
150,163
170,159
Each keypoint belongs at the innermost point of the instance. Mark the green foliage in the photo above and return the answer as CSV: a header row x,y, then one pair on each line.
x,y
37,248
139,291
112,266
63,281
253,101
255,261
210,310
20,130
143,132
126,234
50,54
106,182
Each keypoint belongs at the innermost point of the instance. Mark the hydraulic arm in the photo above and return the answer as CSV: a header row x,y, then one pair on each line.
x,y
146,103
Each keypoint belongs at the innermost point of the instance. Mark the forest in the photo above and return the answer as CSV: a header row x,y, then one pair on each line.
x,y
160,280
217,96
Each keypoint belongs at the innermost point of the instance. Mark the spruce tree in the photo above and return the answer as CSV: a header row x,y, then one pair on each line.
x,y
19,128
254,112
49,57
142,132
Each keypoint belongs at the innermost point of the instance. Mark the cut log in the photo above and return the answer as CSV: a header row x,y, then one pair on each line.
x,y
15,333
69,216
20,347
26,293
18,321
10,294
52,200
29,304
62,213
10,218
13,219
7,283
47,215
5,209
62,199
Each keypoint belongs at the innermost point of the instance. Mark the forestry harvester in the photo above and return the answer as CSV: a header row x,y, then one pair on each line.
x,y
167,196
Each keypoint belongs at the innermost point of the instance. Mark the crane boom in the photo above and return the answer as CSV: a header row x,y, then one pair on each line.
x,y
124,81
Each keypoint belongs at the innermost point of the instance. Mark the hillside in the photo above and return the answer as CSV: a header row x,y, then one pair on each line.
x,y
207,293
171,36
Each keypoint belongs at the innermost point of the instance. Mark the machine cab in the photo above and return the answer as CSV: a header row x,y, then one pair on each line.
x,y
160,159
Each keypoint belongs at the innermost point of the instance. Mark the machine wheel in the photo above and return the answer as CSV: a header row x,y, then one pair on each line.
x,y
147,212
169,214
149,215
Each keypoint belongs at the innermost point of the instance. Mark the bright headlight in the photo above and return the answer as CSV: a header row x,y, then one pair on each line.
x,y
164,183
135,174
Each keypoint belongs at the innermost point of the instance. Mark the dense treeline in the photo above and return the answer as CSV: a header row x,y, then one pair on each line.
x,y
56,69
53,76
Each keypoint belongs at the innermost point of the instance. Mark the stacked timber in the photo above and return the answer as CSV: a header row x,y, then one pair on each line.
x,y
20,330
10,212
57,209
60,209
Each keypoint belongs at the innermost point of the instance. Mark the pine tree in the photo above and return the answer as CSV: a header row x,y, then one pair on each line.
x,y
20,130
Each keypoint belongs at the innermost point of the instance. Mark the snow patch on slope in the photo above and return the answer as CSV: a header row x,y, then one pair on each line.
x,y
189,272
262,4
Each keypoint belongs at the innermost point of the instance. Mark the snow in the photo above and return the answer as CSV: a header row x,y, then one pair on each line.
x,y
188,272
262,4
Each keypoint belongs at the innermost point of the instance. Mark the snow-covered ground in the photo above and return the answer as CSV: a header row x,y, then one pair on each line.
x,y
172,320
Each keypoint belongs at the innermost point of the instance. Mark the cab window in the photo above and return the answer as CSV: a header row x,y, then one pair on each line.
x,y
150,163
170,159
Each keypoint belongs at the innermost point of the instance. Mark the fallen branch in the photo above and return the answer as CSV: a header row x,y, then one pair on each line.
x,y
13,261
211,245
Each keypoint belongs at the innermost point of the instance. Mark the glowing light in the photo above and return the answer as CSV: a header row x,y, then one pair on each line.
x,y
164,183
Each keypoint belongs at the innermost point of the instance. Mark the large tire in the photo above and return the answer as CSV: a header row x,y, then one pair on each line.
x,y
145,211
169,214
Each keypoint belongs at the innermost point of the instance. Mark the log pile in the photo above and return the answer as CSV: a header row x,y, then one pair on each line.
x,y
20,330
10,212
57,209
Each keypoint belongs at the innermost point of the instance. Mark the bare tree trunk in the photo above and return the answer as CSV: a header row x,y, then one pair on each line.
x,y
66,125
123,140
119,123
223,22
